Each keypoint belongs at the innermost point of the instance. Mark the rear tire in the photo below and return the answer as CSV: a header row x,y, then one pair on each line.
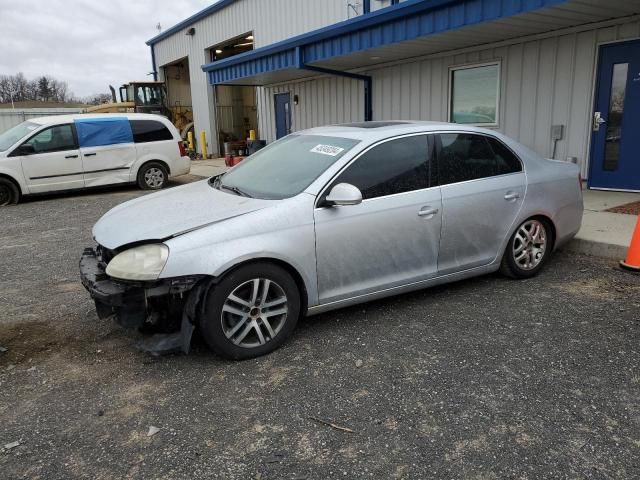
x,y
528,249
152,176
251,311
9,193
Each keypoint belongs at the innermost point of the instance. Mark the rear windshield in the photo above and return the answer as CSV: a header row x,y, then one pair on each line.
x,y
286,167
11,136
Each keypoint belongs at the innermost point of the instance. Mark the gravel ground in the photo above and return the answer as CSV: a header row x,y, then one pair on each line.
x,y
486,378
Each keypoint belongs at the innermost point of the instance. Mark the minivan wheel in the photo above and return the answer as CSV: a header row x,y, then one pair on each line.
x,y
528,249
152,176
9,194
251,311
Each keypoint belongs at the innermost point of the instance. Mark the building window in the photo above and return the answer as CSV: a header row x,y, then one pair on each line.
x,y
475,94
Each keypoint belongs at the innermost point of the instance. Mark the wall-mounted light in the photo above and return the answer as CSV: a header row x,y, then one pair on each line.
x,y
191,32
218,51
296,100
250,37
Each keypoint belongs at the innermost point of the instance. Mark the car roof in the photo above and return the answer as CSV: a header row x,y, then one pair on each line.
x,y
56,119
384,129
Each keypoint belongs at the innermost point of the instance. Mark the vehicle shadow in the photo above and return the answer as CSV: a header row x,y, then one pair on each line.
x,y
365,319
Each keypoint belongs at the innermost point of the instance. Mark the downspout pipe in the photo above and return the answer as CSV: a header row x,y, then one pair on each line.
x,y
368,82
153,63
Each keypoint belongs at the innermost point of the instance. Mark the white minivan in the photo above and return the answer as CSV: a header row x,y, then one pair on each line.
x,y
67,152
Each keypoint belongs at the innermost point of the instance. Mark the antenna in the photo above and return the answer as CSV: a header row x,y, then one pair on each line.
x,y
355,7
159,27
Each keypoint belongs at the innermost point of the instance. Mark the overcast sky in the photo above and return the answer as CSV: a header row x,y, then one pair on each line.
x,y
87,43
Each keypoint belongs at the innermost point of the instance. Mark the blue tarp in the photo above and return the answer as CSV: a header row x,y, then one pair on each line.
x,y
93,132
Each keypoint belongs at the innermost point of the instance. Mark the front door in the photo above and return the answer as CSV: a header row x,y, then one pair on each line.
x,y
51,160
283,114
615,148
392,237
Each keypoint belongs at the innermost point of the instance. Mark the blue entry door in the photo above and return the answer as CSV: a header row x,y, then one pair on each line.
x,y
283,114
615,147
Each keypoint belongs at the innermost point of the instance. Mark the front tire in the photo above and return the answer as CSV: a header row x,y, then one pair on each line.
x,y
152,176
251,311
528,249
9,193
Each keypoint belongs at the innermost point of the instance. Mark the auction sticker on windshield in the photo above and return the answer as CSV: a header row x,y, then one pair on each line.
x,y
327,150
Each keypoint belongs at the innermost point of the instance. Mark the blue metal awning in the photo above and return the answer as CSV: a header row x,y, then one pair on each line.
x,y
404,30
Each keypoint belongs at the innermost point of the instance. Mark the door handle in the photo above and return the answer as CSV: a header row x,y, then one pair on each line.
x,y
89,154
71,156
597,121
511,196
427,212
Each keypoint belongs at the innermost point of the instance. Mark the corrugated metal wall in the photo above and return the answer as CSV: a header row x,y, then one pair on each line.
x,y
543,82
270,22
323,101
11,118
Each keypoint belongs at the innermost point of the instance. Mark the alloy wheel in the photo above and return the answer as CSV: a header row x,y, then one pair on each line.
x,y
254,313
530,244
154,177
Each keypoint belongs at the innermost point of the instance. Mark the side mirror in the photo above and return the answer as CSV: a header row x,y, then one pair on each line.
x,y
24,149
344,194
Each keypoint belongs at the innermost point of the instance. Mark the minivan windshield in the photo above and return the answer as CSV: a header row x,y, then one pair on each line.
x,y
11,136
286,167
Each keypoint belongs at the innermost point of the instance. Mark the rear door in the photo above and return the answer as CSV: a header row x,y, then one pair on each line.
x,y
51,160
107,150
483,187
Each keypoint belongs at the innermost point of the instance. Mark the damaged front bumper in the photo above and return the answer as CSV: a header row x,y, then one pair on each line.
x,y
166,308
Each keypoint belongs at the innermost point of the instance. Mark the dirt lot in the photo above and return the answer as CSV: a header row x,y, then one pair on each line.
x,y
487,378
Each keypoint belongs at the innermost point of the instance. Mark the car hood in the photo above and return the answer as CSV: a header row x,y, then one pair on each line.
x,y
170,213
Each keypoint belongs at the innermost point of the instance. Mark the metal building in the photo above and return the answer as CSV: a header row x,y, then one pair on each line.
x,y
560,76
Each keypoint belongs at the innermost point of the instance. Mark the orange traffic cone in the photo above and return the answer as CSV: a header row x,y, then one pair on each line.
x,y
632,262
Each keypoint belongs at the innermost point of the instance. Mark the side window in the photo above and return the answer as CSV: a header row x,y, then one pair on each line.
x,y
507,161
392,167
149,131
53,139
465,156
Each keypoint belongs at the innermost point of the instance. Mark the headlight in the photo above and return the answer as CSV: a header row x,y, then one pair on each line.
x,y
139,263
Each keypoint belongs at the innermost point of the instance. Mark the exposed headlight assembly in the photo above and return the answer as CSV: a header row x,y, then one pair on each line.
x,y
139,263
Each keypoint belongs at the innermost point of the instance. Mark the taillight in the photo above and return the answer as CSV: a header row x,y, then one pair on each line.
x,y
183,151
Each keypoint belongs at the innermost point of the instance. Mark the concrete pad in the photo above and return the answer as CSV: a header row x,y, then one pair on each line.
x,y
208,168
604,234
600,200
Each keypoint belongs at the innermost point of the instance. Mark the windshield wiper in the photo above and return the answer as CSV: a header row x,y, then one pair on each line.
x,y
235,190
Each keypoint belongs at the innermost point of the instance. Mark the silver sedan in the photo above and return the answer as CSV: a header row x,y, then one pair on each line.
x,y
326,218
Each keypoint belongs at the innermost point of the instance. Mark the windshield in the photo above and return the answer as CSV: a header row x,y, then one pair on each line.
x,y
11,136
286,167
148,95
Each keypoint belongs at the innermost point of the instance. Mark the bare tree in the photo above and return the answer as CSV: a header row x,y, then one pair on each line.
x,y
44,88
